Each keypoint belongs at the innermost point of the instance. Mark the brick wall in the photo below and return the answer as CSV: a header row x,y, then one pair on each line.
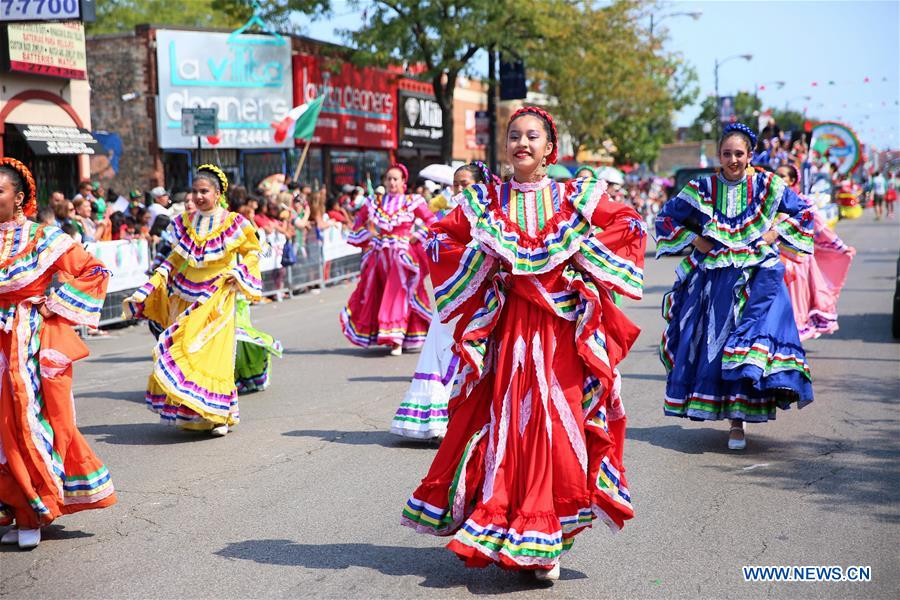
x,y
120,64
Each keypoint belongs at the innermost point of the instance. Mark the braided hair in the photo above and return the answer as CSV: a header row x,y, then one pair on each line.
x,y
480,172
549,127
23,181
217,177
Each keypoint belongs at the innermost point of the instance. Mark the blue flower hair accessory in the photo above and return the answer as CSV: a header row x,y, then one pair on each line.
x,y
740,128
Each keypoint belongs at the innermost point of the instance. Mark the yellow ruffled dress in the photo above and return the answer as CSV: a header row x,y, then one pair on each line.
x,y
192,384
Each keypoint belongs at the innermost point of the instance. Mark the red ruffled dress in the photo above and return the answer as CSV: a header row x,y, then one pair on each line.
x,y
390,305
533,450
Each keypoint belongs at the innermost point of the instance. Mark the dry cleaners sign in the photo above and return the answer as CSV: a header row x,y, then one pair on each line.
x,y
246,77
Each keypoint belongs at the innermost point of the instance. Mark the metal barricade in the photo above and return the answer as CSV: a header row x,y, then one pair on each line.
x,y
341,269
112,307
306,273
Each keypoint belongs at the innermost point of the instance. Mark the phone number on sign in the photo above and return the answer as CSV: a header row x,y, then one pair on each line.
x,y
245,137
17,10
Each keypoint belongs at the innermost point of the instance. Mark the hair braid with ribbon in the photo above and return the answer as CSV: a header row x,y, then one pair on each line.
x,y
23,181
549,127
213,173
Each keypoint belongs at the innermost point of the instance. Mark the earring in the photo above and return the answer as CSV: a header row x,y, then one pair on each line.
x,y
19,212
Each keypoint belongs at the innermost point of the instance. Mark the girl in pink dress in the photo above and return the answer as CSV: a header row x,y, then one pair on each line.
x,y
390,306
814,281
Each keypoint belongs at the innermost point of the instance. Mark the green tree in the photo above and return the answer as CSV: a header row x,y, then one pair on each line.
x,y
114,16
746,109
622,87
790,120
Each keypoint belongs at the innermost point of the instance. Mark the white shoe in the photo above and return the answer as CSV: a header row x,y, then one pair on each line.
x,y
547,574
29,538
737,444
10,537
219,431
396,350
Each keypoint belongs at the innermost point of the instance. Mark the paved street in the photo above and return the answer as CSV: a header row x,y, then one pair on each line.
x,y
304,498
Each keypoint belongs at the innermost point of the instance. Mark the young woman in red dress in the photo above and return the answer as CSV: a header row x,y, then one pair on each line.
x,y
533,450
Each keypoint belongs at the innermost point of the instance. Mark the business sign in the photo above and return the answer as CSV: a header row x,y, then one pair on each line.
x,y
359,108
52,49
421,125
47,140
838,144
38,10
478,129
245,77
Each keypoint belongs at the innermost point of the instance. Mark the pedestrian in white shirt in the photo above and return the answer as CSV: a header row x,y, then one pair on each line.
x,y
160,204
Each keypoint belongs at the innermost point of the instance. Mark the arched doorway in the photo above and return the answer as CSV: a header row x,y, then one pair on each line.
x,y
55,172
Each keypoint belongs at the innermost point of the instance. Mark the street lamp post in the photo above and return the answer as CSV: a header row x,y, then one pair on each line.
x,y
694,14
718,64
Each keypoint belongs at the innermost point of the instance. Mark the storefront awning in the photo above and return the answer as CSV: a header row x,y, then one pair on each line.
x,y
45,140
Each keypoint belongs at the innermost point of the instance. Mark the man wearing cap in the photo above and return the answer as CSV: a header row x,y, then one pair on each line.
x,y
160,204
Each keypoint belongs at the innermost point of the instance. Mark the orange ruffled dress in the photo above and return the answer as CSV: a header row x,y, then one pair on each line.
x,y
47,468
533,449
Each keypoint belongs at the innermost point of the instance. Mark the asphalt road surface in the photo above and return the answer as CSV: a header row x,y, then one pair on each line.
x,y
304,498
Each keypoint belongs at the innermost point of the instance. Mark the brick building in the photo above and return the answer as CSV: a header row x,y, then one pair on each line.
x,y
121,74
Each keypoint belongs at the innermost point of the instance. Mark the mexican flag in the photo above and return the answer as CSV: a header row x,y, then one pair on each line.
x,y
300,122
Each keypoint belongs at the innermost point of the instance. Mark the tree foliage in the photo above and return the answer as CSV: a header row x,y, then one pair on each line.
x,y
115,16
610,78
442,35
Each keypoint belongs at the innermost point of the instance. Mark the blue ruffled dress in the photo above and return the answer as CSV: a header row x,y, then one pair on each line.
x,y
731,346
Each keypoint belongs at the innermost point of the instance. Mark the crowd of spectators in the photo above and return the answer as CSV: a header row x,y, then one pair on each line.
x,y
95,215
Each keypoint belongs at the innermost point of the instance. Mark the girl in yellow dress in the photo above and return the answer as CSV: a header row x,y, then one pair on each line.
x,y
215,256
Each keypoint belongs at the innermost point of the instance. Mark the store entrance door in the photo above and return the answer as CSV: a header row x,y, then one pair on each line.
x,y
52,173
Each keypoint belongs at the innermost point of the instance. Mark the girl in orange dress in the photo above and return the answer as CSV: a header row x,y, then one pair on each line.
x,y
46,466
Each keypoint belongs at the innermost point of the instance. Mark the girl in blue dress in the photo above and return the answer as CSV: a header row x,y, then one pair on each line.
x,y
730,346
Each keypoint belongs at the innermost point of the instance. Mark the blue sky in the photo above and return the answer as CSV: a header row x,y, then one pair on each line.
x,y
798,42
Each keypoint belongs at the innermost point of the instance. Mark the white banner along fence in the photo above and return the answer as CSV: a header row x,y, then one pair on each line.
x,y
324,258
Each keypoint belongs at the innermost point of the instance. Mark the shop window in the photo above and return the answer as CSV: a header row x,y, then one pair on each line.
x,y
177,165
256,166
313,171
351,167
